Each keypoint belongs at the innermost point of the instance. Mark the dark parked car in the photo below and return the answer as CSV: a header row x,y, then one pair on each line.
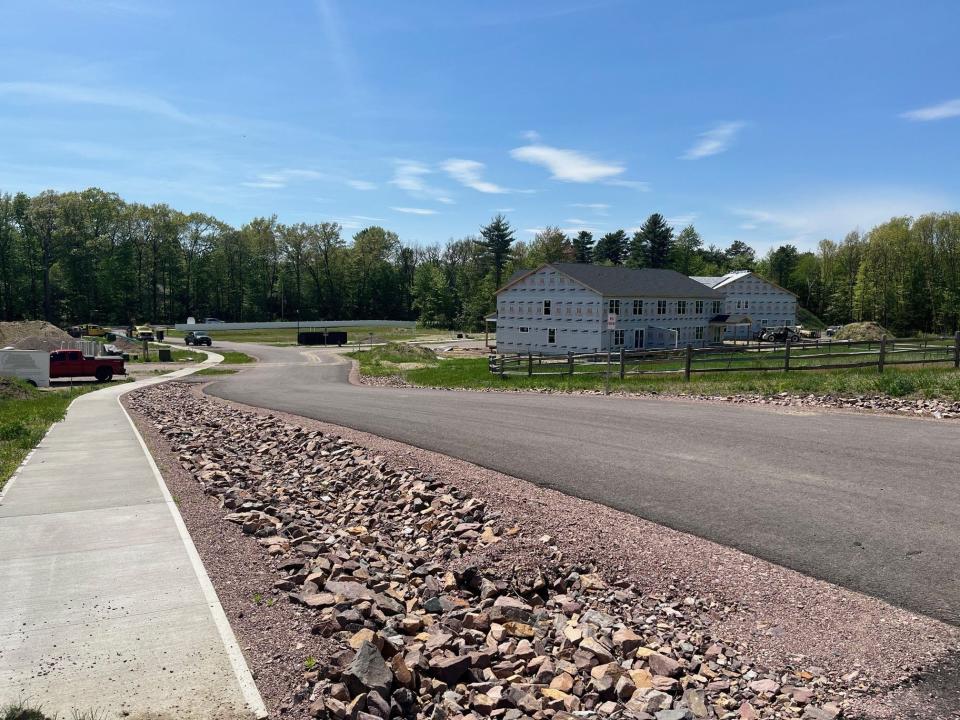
x,y
779,334
198,338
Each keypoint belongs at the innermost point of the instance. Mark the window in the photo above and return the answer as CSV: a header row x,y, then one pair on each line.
x,y
739,304
546,307
763,323
579,310
746,304
681,307
614,307
661,307
699,332
698,307
618,338
716,307
551,336
524,329
638,307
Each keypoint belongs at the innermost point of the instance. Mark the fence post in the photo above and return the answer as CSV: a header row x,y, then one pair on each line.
x,y
883,352
786,356
502,362
688,360
529,364
570,361
956,349
622,364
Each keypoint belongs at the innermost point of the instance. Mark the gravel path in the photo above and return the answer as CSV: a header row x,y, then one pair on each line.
x,y
776,616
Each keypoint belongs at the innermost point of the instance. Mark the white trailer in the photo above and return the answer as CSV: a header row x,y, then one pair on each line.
x,y
30,365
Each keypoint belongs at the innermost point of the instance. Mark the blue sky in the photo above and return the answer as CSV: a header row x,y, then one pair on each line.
x,y
767,122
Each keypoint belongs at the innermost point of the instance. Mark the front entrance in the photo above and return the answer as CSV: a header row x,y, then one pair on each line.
x,y
638,339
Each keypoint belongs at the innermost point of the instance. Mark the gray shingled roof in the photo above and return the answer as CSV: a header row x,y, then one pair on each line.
x,y
634,282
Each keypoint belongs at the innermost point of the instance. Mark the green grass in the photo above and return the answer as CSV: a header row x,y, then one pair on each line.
x,y
472,373
232,357
391,358
215,371
25,415
288,336
21,710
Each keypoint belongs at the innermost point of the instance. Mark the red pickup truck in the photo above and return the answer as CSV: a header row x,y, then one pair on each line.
x,y
73,363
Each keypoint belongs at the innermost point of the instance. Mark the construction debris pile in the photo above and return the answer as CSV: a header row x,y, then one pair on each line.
x,y
440,610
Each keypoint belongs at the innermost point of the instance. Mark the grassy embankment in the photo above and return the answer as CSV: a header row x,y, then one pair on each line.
x,y
25,415
230,357
472,373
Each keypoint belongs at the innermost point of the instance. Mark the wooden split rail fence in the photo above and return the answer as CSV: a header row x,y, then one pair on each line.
x,y
762,356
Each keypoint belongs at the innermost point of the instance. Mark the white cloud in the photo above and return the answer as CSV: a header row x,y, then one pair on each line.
x,y
361,185
79,95
264,184
505,210
415,211
598,208
409,175
577,221
681,221
714,141
948,109
632,184
566,165
281,178
470,174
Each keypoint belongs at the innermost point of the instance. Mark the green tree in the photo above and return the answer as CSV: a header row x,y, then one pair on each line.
x,y
583,247
611,248
686,249
496,238
550,245
740,256
658,237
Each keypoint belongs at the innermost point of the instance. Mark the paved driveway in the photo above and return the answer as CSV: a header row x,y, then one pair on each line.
x,y
869,502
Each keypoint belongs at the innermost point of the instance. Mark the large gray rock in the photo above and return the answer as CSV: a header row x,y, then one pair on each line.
x,y
368,672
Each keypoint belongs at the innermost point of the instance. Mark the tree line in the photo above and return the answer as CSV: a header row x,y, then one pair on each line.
x,y
89,256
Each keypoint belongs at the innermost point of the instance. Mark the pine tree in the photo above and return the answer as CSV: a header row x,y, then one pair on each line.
x,y
583,247
611,248
497,238
659,239
639,255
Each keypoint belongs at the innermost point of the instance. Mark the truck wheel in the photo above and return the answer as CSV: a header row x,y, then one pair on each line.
x,y
104,374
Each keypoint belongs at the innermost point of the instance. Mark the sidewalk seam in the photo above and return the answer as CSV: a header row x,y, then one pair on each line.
x,y
239,664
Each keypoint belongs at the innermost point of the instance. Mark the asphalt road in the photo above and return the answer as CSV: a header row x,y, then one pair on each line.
x,y
868,502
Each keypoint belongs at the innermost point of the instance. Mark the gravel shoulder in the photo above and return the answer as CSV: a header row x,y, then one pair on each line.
x,y
856,645
933,409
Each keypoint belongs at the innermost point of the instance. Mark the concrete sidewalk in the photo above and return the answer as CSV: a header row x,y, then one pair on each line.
x,y
104,603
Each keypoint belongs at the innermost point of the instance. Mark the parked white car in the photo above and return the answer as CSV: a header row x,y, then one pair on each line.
x,y
30,365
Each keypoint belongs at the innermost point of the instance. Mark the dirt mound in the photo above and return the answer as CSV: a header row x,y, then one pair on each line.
x,y
34,342
862,331
24,334
402,353
13,389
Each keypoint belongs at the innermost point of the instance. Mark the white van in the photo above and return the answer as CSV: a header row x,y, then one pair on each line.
x,y
30,365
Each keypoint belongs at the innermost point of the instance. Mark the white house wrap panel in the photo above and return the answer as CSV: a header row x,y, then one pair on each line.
x,y
563,307
751,303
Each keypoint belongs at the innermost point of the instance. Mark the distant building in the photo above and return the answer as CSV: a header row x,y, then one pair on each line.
x,y
564,307
751,303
